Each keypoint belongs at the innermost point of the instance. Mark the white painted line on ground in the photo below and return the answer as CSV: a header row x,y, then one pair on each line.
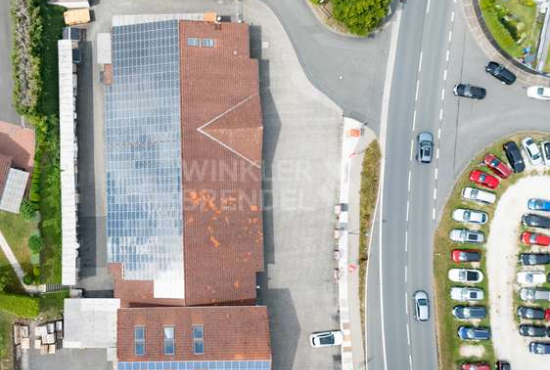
x,y
420,62
438,137
417,89
410,362
452,16
441,114
406,307
447,56
405,277
436,172
409,182
412,145
435,193
408,330
450,35
406,241
433,213
428,7
442,94
445,75
414,121
408,209
437,153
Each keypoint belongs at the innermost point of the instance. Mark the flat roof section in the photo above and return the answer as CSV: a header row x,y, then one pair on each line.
x,y
143,157
68,157
14,190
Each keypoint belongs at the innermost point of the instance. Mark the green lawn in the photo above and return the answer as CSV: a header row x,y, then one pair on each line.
x,y
448,342
17,232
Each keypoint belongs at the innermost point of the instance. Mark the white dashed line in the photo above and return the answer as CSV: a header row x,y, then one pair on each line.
x,y
452,16
414,120
445,75
428,7
433,213
447,56
435,173
441,114
406,308
437,153
435,193
408,209
409,182
412,144
450,35
406,241
420,62
438,137
442,94
408,332
405,275
411,362
417,89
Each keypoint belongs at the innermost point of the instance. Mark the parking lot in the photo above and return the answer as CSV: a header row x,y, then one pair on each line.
x,y
301,153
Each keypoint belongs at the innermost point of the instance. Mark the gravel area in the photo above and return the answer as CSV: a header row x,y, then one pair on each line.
x,y
472,351
502,250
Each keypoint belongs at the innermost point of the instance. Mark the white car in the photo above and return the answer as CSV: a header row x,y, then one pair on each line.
x,y
531,278
467,294
466,236
532,150
545,149
465,276
477,195
468,215
539,92
421,306
326,339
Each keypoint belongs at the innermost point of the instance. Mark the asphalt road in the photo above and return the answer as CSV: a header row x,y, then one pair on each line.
x,y
7,110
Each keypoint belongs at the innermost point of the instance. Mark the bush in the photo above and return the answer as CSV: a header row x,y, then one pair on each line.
x,y
28,279
27,210
361,17
19,305
35,244
492,15
36,271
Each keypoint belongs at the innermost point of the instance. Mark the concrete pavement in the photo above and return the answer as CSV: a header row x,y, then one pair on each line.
x,y
7,110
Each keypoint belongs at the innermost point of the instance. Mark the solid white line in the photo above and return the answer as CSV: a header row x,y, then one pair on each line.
x,y
442,94
417,89
437,153
441,114
433,213
414,120
420,62
412,145
428,7
438,136
447,56
436,172
435,193
452,16
409,182
450,35
445,75
408,208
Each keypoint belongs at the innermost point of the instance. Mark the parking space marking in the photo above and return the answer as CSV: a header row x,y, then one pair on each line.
x,y
409,182
417,89
412,144
420,62
414,120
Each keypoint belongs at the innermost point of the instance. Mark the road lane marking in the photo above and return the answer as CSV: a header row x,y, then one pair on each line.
x,y
408,208
428,7
447,56
435,193
450,35
417,89
438,136
410,357
414,120
442,94
437,153
452,16
406,241
406,308
409,182
433,213
408,332
441,114
412,145
445,75
436,172
406,277
420,62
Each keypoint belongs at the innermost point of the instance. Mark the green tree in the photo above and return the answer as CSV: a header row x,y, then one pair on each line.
x,y
35,243
361,17
4,280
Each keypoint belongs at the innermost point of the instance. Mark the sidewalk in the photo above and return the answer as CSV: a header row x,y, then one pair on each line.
x,y
480,34
353,349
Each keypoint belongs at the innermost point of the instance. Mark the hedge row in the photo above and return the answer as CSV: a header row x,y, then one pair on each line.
x,y
19,305
500,33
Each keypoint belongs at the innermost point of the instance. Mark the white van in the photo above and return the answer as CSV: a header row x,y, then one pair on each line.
x,y
477,195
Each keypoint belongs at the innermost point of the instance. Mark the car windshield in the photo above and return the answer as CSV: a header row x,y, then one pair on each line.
x,y
471,275
540,90
467,215
422,302
495,162
482,177
326,340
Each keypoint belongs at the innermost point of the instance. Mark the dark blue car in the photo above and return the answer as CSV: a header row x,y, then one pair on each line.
x,y
539,204
471,333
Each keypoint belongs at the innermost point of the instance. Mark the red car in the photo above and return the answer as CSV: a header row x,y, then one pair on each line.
x,y
535,239
476,366
484,179
547,314
465,255
497,166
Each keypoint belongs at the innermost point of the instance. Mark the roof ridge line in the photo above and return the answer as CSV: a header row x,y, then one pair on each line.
x,y
201,129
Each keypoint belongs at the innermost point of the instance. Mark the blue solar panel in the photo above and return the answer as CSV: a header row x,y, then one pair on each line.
x,y
198,365
143,152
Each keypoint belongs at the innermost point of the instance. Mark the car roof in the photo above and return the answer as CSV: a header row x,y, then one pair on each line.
x,y
425,136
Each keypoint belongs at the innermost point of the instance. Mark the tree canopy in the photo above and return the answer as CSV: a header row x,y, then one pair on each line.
x,y
361,17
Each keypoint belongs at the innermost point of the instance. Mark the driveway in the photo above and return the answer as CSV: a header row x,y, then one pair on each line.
x,y
502,249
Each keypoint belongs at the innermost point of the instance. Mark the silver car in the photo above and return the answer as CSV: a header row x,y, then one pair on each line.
x,y
421,306
477,195
424,147
466,236
531,294
469,215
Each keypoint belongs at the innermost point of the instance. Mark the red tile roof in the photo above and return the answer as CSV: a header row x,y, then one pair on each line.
x,y
18,143
230,333
5,164
222,150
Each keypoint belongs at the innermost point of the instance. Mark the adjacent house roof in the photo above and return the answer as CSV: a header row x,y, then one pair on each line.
x,y
222,150
228,334
18,143
5,164
14,190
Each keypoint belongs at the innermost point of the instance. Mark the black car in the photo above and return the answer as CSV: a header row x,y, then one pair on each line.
x,y
469,91
503,365
531,259
500,72
539,348
469,312
533,220
530,313
532,331
514,156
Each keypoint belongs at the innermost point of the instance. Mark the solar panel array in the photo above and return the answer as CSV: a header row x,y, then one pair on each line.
x,y
195,365
143,156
